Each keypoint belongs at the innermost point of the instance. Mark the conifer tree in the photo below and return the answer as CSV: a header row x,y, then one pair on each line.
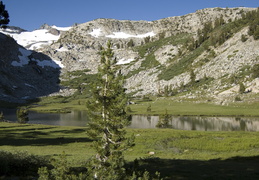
x,y
108,120
4,16
22,115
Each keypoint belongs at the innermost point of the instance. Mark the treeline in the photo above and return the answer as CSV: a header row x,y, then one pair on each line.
x,y
219,31
253,19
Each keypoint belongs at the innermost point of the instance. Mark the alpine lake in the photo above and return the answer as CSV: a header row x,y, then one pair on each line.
x,y
200,123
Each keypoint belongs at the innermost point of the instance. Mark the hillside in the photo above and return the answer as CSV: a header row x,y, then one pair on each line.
x,y
25,74
203,56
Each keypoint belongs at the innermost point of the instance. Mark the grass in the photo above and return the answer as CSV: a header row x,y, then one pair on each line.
x,y
177,154
158,107
189,108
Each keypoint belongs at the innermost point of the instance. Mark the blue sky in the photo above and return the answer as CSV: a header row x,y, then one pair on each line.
x,y
31,14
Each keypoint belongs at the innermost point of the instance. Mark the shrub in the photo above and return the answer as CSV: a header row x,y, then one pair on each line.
x,y
20,164
22,115
61,170
241,88
1,116
243,38
149,108
255,71
237,98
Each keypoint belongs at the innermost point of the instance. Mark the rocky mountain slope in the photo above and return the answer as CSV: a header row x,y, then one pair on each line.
x,y
204,55
25,74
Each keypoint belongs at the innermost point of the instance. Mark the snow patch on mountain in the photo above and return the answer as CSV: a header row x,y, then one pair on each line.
x,y
62,49
124,61
24,60
96,33
61,28
50,63
122,35
34,39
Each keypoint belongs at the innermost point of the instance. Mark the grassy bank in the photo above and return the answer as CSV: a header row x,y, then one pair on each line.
x,y
199,153
158,107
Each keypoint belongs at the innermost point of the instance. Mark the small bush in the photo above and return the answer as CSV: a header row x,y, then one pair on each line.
x,y
128,110
237,98
61,170
1,116
243,38
149,108
242,88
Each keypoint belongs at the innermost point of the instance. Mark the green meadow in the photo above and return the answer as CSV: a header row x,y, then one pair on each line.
x,y
176,154
158,107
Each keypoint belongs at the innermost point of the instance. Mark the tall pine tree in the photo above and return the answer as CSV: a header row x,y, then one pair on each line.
x,y
108,120
4,16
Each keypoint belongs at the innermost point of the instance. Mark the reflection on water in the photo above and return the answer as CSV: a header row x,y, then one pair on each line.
x,y
79,118
75,118
200,123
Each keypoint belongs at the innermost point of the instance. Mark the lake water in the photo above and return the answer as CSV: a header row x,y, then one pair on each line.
x,y
79,118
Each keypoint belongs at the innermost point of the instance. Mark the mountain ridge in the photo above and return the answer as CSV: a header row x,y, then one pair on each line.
x,y
163,53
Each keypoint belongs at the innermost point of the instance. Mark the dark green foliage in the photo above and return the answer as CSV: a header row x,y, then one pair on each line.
x,y
4,16
243,38
164,121
108,120
242,88
1,116
253,18
237,98
22,115
147,39
61,170
128,110
166,91
192,76
169,91
130,43
255,71
20,164
149,108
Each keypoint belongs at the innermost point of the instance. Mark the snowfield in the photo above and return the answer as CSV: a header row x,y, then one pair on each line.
x,y
35,39
120,35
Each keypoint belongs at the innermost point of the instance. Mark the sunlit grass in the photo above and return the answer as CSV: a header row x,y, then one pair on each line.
x,y
171,149
160,105
166,143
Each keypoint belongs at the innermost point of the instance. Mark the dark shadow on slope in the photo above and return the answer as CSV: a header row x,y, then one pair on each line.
x,y
232,168
25,75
